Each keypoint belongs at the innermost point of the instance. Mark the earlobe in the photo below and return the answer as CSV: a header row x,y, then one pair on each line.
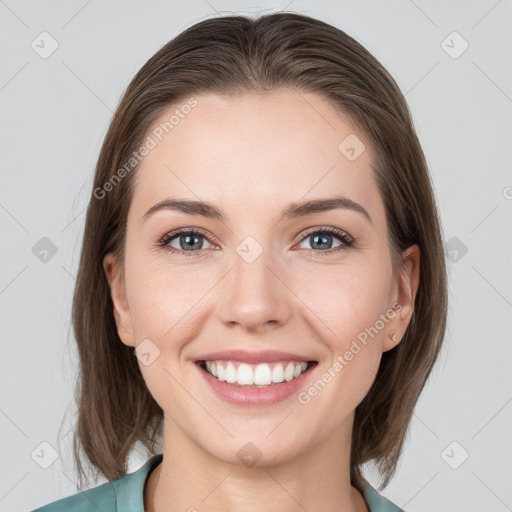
x,y
120,308
407,287
392,341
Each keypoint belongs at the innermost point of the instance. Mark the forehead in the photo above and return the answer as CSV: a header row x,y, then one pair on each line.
x,y
254,150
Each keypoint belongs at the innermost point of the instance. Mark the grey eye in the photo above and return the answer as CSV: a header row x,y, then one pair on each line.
x,y
319,240
188,241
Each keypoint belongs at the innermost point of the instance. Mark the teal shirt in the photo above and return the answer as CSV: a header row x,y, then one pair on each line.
x,y
126,494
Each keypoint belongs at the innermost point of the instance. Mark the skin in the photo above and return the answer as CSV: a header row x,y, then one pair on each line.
x,y
251,156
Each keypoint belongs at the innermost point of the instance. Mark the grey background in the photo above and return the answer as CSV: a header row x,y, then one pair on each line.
x,y
54,113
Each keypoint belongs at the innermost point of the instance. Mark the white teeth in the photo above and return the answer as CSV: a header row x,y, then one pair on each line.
x,y
221,373
244,375
288,373
259,375
278,373
262,375
231,373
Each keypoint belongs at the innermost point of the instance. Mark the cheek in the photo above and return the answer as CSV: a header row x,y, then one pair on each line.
x,y
162,298
347,299
349,303
152,303
162,312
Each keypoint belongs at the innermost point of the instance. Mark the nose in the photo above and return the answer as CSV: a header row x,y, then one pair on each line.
x,y
255,296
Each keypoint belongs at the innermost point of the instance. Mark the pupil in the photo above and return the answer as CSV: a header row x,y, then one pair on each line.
x,y
322,243
185,239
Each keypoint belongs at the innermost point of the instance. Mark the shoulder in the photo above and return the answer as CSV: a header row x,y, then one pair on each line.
x,y
377,502
125,494
102,497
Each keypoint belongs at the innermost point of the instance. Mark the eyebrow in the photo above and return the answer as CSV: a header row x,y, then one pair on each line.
x,y
292,211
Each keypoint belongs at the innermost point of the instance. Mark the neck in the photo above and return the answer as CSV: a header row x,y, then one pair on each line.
x,y
191,479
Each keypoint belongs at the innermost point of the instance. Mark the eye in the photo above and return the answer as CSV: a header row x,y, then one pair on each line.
x,y
188,242
321,240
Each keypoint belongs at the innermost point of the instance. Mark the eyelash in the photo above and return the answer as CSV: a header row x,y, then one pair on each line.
x,y
342,235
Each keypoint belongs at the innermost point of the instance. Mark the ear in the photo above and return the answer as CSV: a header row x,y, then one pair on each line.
x,y
407,287
121,309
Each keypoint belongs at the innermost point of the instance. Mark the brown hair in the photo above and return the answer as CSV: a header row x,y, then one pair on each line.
x,y
239,55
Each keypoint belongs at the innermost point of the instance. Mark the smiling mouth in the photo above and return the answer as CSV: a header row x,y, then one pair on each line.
x,y
256,375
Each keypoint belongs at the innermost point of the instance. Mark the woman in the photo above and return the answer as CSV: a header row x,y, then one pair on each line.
x,y
262,276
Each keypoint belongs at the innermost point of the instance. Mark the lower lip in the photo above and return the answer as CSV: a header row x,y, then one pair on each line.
x,y
253,396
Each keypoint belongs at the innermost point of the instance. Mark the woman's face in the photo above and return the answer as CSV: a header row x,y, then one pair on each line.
x,y
261,274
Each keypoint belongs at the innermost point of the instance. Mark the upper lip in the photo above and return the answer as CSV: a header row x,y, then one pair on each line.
x,y
253,356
